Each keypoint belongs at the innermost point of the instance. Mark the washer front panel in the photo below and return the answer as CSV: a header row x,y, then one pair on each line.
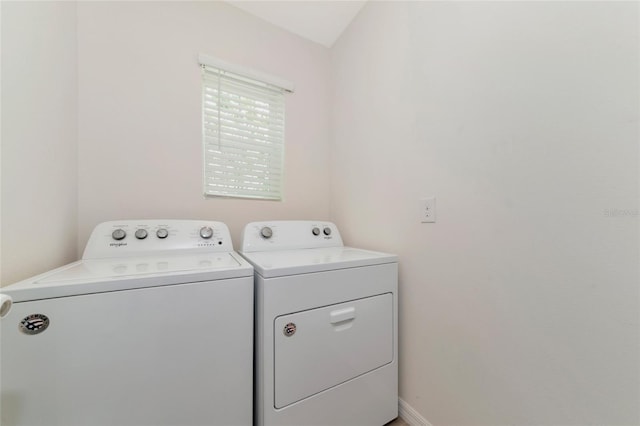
x,y
171,355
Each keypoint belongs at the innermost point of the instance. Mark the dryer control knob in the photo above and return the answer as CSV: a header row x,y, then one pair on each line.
x,y
206,232
118,234
315,231
266,232
141,234
327,231
162,233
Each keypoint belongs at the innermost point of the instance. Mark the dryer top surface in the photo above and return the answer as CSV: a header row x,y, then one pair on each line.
x,y
303,261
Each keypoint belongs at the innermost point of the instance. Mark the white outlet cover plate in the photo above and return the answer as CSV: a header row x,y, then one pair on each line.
x,y
427,210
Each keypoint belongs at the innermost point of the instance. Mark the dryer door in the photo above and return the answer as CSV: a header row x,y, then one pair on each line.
x,y
320,348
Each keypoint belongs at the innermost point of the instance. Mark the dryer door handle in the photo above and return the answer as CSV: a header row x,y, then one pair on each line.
x,y
342,315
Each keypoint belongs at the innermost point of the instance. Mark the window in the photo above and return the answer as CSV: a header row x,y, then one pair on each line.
x,y
243,131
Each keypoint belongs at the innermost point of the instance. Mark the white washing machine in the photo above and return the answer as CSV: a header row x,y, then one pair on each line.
x,y
154,326
326,327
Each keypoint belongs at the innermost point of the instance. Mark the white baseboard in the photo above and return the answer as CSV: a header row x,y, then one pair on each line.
x,y
410,415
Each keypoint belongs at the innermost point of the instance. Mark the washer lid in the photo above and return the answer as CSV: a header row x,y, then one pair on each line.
x,y
103,275
303,261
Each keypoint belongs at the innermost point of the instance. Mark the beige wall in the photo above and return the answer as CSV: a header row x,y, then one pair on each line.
x,y
520,304
139,88
119,130
39,138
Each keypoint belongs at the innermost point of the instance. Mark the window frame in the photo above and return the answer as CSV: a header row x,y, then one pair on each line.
x,y
249,106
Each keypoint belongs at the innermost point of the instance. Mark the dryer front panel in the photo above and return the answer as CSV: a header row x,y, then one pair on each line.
x,y
320,348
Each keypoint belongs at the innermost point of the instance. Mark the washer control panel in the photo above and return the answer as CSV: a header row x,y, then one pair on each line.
x,y
148,237
289,235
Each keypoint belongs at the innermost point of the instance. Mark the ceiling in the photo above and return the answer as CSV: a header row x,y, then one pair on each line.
x,y
321,21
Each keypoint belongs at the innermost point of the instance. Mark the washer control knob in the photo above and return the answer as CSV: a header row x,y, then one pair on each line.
x,y
206,232
162,233
141,234
315,230
118,234
266,232
327,231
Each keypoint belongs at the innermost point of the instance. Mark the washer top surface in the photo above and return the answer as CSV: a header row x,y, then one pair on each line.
x,y
281,248
119,256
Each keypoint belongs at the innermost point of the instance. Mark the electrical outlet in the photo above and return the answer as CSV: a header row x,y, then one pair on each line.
x,y
428,210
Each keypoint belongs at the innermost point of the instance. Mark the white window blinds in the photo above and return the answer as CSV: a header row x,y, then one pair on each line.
x,y
243,132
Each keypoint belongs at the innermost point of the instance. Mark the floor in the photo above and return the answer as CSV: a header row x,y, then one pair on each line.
x,y
397,422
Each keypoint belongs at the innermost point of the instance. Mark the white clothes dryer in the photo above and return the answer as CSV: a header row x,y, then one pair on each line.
x,y
153,326
326,327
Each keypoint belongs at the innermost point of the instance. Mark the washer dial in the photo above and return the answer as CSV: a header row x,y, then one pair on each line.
x,y
206,232
141,234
